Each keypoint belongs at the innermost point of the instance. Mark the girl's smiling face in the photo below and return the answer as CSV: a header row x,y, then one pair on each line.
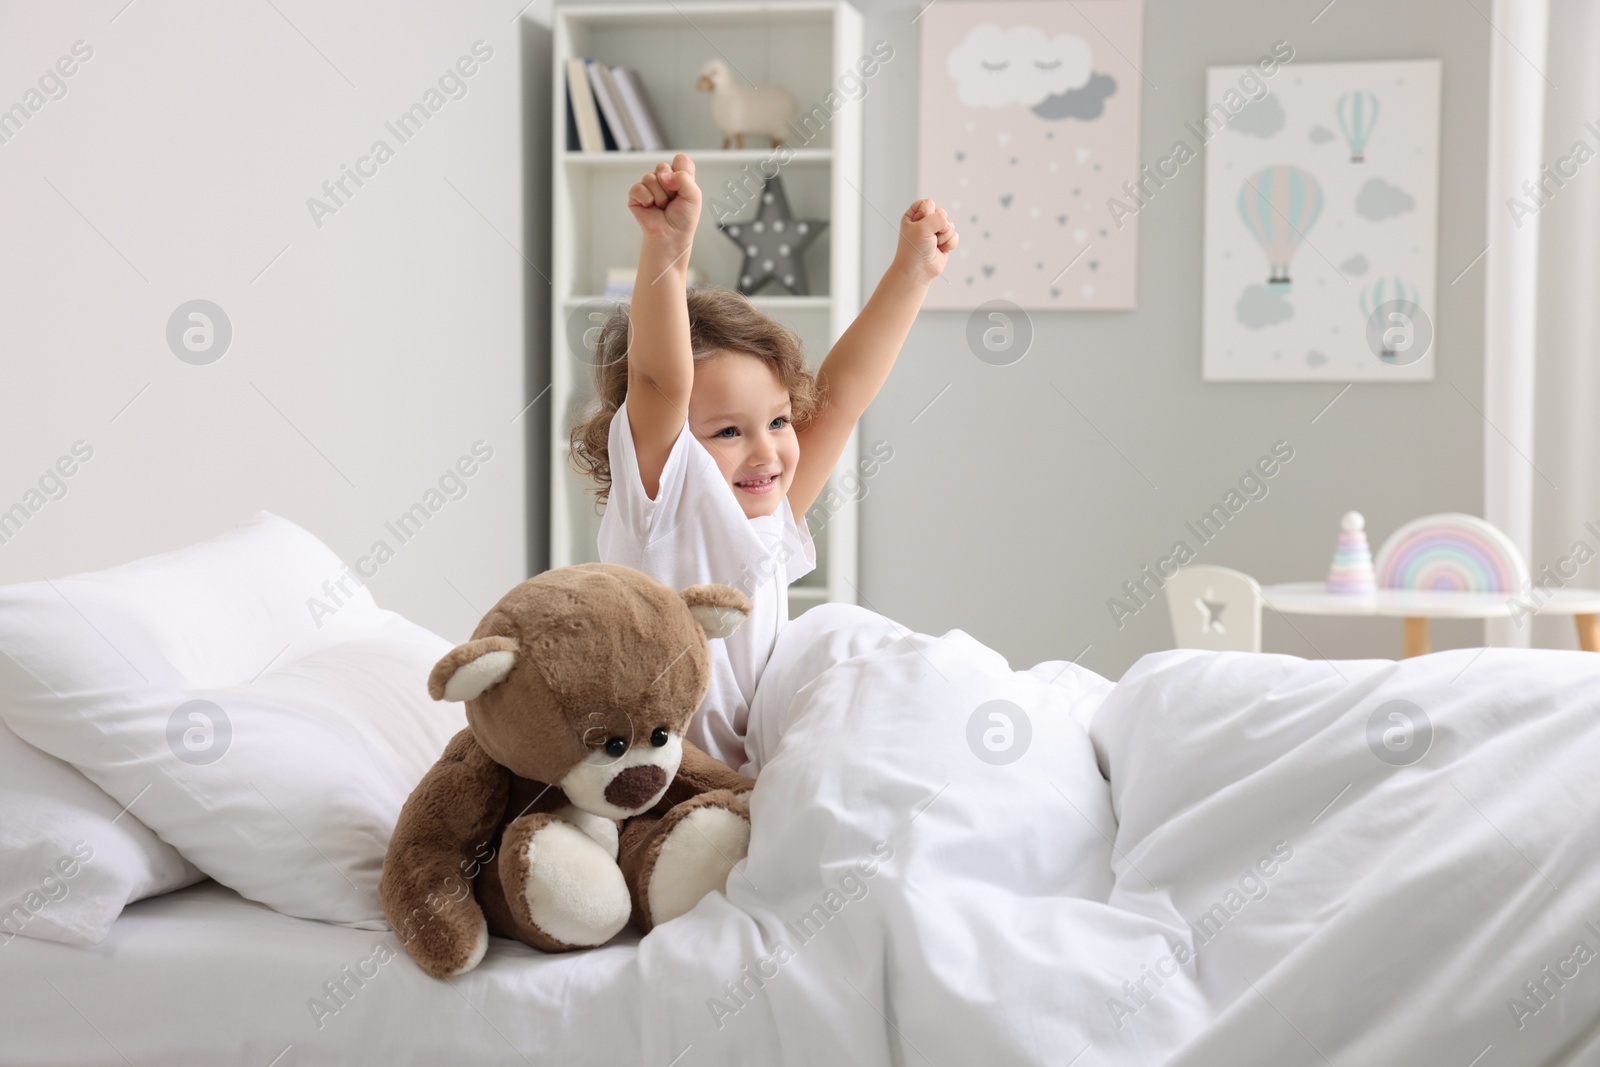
x,y
739,409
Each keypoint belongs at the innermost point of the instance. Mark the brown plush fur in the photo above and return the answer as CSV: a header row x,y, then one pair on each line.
x,y
597,652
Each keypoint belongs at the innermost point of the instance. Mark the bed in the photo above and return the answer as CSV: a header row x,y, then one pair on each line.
x,y
203,976
1221,858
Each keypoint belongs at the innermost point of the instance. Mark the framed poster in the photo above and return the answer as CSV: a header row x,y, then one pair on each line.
x,y
1029,124
1321,224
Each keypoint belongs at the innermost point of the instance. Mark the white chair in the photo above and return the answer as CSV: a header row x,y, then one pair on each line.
x,y
1215,608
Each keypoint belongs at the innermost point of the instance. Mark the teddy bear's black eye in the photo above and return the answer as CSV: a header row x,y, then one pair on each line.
x,y
658,737
616,746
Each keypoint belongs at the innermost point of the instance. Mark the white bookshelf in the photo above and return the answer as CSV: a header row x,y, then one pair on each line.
x,y
804,46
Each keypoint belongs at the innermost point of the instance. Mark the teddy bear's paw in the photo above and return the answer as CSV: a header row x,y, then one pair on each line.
x,y
699,844
568,888
446,943
479,947
602,829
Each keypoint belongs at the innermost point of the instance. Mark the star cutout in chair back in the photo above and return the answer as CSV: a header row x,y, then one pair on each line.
x,y
1212,611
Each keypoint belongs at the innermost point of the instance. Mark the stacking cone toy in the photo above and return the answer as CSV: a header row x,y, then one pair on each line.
x,y
1351,571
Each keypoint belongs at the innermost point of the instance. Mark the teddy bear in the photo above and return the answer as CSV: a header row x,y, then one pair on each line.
x,y
571,802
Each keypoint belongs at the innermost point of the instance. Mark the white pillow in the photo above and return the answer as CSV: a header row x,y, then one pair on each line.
x,y
276,740
73,857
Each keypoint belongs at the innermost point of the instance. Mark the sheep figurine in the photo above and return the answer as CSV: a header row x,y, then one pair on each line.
x,y
745,109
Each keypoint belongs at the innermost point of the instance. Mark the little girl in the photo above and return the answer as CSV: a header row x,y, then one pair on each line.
x,y
709,435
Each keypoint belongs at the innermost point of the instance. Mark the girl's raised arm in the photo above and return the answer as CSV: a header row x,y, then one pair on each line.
x,y
861,359
660,364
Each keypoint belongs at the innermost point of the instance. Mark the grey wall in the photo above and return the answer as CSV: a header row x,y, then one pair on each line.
x,y
410,325
1006,514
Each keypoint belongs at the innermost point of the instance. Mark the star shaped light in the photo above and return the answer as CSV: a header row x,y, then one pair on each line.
x,y
772,243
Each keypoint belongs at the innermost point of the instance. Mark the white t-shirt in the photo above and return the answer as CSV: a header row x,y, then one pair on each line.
x,y
695,532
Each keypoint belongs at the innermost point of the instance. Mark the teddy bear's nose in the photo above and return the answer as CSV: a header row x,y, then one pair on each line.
x,y
635,786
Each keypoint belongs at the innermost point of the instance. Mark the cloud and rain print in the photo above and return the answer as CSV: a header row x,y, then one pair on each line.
x,y
1321,219
1029,127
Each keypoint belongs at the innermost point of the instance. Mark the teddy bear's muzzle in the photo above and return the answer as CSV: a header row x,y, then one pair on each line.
x,y
636,786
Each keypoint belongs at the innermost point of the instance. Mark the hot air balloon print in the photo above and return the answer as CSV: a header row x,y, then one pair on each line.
x,y
1358,113
1278,205
1379,292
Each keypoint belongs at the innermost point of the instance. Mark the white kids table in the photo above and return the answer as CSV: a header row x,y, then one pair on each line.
x,y
1418,606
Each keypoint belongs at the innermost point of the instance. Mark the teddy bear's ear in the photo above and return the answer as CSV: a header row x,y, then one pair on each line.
x,y
719,609
467,670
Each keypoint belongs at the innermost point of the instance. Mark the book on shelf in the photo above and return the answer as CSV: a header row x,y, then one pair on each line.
x,y
636,105
580,98
574,142
610,120
609,110
608,75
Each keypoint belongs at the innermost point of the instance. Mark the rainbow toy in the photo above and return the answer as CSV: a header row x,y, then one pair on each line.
x,y
1451,552
1351,571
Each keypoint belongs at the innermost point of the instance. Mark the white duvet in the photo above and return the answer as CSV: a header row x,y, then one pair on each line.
x,y
1270,876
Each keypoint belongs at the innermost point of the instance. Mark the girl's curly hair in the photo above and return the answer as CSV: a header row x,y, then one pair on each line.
x,y
720,320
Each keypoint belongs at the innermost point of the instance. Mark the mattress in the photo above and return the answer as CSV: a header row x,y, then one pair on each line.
x,y
202,976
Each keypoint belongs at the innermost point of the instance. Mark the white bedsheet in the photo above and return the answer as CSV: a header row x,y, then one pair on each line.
x,y
204,977
990,913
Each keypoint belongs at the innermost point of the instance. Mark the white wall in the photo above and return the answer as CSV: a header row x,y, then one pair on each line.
x,y
376,348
